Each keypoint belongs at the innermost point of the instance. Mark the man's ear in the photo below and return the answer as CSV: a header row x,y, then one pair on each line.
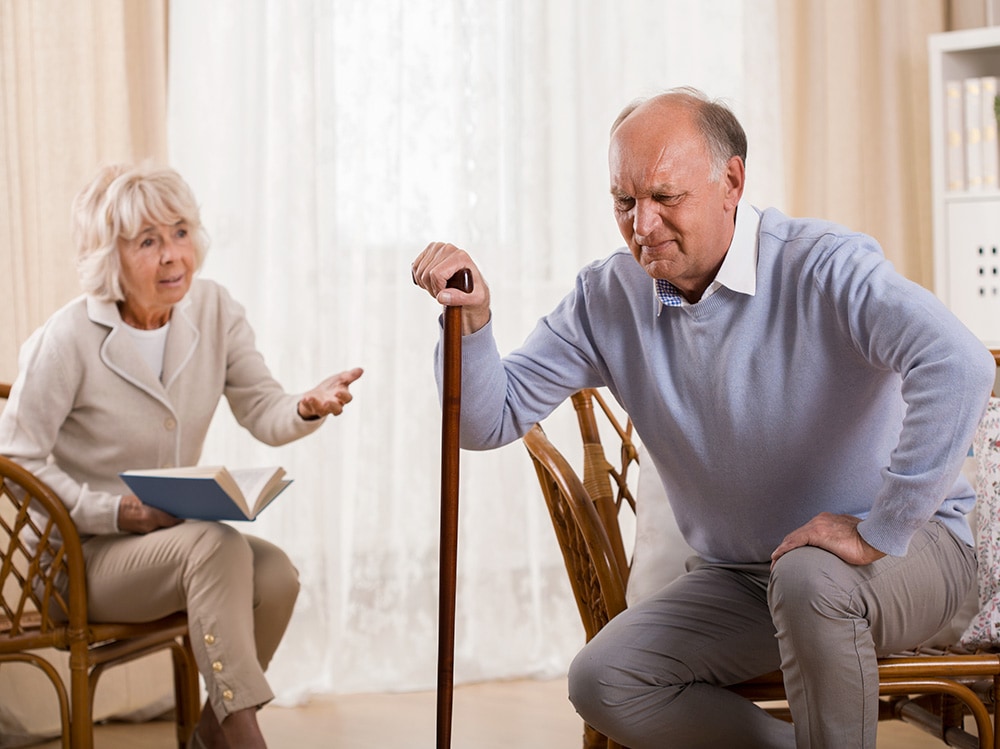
x,y
734,181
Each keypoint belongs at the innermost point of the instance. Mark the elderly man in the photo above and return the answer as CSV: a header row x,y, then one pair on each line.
x,y
808,409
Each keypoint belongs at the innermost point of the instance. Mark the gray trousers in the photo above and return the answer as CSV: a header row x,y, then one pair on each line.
x,y
239,592
654,677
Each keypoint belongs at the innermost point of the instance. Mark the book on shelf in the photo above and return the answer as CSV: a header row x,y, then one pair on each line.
x,y
208,492
954,103
973,134
991,158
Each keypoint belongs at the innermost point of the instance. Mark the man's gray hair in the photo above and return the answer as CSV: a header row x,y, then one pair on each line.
x,y
723,133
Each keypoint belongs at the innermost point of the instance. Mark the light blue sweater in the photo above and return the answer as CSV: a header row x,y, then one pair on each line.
x,y
839,386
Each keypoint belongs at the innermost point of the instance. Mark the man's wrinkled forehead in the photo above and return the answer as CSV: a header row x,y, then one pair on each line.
x,y
653,149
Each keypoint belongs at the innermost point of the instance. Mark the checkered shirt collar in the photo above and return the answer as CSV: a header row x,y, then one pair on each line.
x,y
668,294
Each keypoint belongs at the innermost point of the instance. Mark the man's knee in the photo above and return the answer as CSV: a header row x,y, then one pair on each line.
x,y
805,582
585,679
609,692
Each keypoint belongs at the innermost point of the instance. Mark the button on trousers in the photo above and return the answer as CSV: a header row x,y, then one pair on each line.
x,y
238,591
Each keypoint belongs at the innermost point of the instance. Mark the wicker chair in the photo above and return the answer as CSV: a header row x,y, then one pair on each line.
x,y
36,616
933,690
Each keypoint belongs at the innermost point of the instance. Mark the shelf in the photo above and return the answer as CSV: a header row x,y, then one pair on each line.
x,y
969,196
966,222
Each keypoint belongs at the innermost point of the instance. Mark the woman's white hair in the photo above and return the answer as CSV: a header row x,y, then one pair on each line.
x,y
118,203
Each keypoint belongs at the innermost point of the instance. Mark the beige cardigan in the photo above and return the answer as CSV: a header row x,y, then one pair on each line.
x,y
85,406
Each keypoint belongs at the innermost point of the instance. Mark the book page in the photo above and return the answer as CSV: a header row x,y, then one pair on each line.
x,y
194,472
256,484
273,489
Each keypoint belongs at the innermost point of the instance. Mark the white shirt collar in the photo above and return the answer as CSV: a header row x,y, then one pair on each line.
x,y
739,269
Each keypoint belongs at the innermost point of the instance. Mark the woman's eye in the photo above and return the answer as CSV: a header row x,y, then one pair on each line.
x,y
147,242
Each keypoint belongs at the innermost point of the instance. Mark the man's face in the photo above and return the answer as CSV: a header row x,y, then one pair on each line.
x,y
678,221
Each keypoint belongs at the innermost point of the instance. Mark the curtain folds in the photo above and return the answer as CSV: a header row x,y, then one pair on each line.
x,y
328,141
856,101
328,144
81,84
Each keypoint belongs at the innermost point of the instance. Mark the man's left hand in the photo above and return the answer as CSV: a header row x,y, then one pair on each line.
x,y
838,534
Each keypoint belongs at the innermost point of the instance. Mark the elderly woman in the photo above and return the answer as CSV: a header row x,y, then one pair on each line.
x,y
128,376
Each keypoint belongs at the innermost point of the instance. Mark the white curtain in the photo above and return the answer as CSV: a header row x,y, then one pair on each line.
x,y
328,141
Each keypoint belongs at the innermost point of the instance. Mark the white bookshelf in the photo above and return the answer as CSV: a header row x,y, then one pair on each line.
x,y
966,222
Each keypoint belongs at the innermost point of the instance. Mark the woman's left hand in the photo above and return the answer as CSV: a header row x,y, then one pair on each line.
x,y
136,517
330,396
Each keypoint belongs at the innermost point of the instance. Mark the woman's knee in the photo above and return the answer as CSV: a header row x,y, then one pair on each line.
x,y
276,580
218,543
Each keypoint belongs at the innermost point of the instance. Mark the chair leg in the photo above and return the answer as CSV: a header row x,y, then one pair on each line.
x,y
592,739
994,699
187,697
952,713
81,700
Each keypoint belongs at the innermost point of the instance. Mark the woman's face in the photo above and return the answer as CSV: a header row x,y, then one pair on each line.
x,y
157,269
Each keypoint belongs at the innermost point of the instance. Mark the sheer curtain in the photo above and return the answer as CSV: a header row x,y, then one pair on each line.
x,y
80,84
328,142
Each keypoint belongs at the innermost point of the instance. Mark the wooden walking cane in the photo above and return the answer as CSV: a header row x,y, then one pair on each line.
x,y
451,403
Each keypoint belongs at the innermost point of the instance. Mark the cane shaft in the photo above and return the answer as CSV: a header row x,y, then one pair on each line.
x,y
450,415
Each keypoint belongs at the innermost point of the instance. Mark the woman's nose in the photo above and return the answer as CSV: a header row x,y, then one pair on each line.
x,y
168,249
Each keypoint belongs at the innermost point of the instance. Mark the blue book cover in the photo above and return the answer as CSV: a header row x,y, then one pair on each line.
x,y
208,492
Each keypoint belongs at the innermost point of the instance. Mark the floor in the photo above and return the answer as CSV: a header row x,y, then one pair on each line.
x,y
499,715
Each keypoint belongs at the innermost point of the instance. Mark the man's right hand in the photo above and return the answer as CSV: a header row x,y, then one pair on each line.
x,y
136,517
435,265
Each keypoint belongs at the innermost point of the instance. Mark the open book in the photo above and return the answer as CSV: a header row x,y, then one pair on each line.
x,y
208,492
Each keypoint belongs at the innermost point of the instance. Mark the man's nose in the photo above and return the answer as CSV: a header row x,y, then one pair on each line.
x,y
646,219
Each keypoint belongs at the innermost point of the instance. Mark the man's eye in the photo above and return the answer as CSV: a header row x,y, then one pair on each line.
x,y
667,199
624,203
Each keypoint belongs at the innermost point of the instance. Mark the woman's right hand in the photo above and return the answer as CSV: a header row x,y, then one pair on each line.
x,y
135,517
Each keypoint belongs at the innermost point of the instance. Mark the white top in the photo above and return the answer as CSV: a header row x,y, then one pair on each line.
x,y
151,345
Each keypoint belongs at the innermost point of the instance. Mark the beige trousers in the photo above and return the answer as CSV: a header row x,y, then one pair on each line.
x,y
239,592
